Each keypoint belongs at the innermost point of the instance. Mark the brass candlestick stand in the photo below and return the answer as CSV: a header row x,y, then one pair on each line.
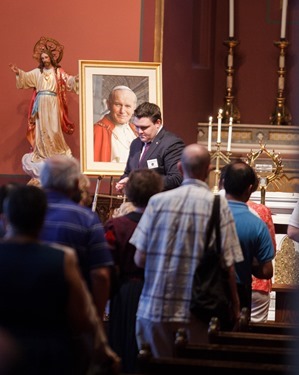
x,y
230,108
266,173
281,115
219,155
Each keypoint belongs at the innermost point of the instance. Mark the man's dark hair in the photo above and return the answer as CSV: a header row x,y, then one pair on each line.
x,y
25,208
142,184
238,177
223,171
222,174
149,110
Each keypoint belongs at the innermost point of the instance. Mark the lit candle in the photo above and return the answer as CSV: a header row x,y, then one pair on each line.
x,y
210,134
219,125
229,137
283,19
231,18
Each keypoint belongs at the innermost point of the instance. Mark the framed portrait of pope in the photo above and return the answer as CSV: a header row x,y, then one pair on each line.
x,y
109,93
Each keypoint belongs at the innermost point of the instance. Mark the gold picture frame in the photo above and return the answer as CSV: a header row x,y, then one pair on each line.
x,y
97,78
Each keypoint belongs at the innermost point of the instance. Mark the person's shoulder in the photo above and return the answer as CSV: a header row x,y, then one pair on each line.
x,y
70,255
104,123
121,220
58,247
74,212
256,220
222,199
238,206
136,142
168,133
112,222
87,212
164,197
67,251
169,137
260,209
173,138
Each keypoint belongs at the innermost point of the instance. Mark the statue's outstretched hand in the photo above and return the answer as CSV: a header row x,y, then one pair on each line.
x,y
14,68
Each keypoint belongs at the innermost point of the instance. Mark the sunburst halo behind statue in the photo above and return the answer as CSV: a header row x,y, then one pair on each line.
x,y
46,43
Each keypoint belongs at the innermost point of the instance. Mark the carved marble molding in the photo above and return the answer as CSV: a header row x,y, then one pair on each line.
x,y
284,140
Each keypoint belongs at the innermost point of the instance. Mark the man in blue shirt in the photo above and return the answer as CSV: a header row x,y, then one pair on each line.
x,y
240,181
73,225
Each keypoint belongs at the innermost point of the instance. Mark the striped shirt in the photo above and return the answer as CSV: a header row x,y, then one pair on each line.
x,y
172,233
70,224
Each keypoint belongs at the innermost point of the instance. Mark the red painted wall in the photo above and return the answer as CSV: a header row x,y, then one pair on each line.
x,y
257,26
89,30
194,58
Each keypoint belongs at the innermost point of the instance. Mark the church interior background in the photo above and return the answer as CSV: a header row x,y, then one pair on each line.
x,y
237,56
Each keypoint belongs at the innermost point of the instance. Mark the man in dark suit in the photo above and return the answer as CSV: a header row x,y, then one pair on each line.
x,y
154,148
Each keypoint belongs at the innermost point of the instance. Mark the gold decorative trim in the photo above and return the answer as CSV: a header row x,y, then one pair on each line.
x,y
279,136
286,264
159,29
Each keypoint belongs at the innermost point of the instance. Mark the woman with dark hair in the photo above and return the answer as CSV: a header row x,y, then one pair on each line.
x,y
128,278
45,304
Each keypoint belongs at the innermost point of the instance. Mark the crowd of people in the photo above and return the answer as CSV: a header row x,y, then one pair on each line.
x,y
60,266
62,269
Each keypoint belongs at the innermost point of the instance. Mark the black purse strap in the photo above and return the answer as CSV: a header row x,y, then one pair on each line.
x,y
214,222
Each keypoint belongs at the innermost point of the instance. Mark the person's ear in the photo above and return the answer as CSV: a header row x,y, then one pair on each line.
x,y
209,169
179,164
248,192
109,102
251,189
76,186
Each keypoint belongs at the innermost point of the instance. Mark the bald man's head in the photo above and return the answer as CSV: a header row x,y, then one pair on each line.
x,y
195,162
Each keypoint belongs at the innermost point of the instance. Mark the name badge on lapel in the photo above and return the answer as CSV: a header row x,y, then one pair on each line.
x,y
152,163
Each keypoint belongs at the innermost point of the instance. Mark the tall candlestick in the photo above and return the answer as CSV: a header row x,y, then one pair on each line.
x,y
281,61
229,137
231,18
210,134
283,19
230,60
219,125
